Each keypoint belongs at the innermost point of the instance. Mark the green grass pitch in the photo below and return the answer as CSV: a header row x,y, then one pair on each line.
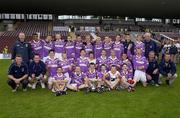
x,y
150,102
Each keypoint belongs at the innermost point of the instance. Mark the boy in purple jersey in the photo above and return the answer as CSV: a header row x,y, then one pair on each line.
x,y
112,78
47,45
126,78
107,45
126,61
113,60
88,45
139,44
91,58
51,64
82,61
66,65
78,80
140,64
78,46
118,46
59,82
102,59
98,47
70,47
94,82
37,45
59,46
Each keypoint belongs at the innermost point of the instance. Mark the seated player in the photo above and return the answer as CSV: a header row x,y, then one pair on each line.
x,y
153,69
37,71
112,78
140,65
18,74
102,59
126,78
167,69
82,61
59,82
78,80
51,64
91,58
93,80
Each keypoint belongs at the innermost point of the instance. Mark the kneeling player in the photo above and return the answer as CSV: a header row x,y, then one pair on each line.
x,y
78,80
37,71
94,82
112,78
60,82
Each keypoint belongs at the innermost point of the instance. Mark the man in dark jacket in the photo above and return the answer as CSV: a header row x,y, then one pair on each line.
x,y
150,45
22,48
18,74
37,71
167,68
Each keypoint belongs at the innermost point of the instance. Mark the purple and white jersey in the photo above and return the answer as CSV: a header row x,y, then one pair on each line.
x,y
101,74
92,61
70,49
46,47
65,64
108,47
52,65
126,74
118,48
139,61
78,47
101,61
128,63
140,45
88,47
113,61
59,46
59,77
98,49
77,78
92,75
83,63
37,47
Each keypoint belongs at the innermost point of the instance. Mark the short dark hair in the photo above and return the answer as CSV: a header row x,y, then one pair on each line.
x,y
19,55
36,54
51,51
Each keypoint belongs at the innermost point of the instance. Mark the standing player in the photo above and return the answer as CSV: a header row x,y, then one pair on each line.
x,y
139,44
51,64
88,45
82,61
78,80
98,47
118,46
140,65
78,46
70,47
47,46
59,46
167,68
107,46
37,45
91,58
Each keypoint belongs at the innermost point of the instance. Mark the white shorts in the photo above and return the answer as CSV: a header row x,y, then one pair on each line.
x,y
140,76
58,55
50,80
